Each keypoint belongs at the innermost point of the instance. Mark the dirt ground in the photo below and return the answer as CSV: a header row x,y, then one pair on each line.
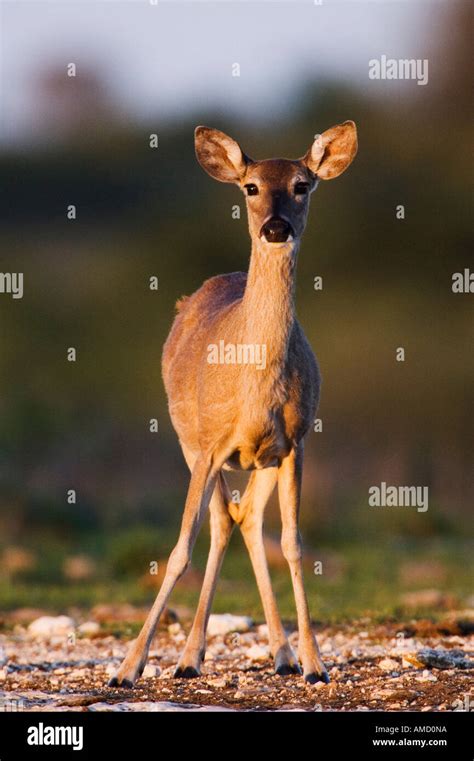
x,y
386,667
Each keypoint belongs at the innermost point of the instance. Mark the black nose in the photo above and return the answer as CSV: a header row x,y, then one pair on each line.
x,y
276,230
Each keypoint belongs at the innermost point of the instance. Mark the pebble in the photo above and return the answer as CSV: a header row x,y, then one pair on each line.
x,y
427,676
219,683
151,671
319,686
89,627
444,659
46,627
388,664
257,653
225,623
78,673
262,631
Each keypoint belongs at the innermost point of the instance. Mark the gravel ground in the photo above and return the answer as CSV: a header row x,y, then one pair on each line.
x,y
386,667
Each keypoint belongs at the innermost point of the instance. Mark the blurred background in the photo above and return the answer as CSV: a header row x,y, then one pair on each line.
x,y
144,69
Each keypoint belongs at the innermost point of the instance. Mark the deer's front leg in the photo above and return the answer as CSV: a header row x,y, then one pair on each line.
x,y
199,493
289,490
221,529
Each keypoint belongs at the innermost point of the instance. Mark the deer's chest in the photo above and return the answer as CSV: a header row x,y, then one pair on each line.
x,y
265,434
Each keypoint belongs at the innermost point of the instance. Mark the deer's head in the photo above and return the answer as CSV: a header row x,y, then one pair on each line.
x,y
277,191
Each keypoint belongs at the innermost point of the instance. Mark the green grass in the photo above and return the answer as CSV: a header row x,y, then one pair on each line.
x,y
369,586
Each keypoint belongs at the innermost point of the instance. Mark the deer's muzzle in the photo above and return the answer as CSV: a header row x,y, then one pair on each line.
x,y
277,230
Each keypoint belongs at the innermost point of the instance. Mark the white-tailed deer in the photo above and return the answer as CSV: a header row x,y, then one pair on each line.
x,y
232,412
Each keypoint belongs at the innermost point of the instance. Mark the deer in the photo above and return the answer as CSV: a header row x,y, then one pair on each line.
x,y
232,415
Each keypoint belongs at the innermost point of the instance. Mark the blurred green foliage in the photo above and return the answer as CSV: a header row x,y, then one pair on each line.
x,y
371,583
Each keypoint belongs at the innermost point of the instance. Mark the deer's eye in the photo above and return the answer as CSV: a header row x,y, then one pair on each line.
x,y
252,189
301,188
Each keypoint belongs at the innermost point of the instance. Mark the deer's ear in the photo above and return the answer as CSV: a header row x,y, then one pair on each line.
x,y
219,155
333,151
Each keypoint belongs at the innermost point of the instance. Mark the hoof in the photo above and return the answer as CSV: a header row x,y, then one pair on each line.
x,y
188,672
285,669
313,677
125,683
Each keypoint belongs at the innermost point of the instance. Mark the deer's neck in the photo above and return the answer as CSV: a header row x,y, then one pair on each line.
x,y
269,299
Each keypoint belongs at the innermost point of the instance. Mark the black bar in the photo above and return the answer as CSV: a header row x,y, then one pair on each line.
x,y
119,735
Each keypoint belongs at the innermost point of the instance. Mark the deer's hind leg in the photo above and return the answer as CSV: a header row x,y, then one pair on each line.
x,y
289,488
252,508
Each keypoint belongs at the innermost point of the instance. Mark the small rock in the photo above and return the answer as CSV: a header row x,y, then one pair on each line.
x,y
257,653
89,627
219,683
427,676
174,628
262,631
444,659
388,664
3,675
319,686
151,671
78,673
225,623
46,627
